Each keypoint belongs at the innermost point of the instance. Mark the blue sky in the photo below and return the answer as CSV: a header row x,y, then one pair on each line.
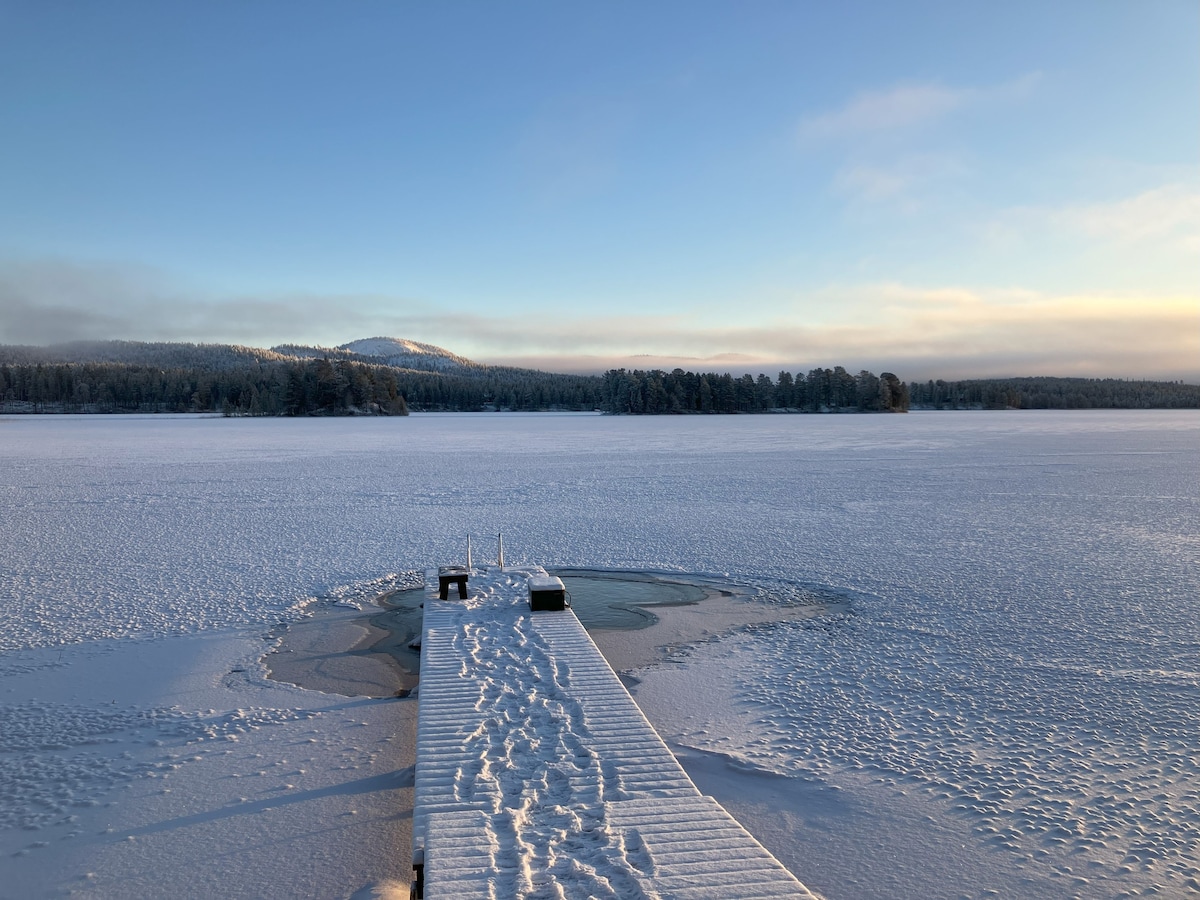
x,y
936,189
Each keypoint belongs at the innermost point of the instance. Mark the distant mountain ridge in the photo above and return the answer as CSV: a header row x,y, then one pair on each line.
x,y
397,353
209,357
371,376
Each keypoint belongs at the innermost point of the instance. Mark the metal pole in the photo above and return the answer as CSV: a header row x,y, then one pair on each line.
x,y
500,552
468,553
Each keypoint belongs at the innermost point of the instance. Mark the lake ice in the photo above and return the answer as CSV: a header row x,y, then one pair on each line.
x,y
1011,704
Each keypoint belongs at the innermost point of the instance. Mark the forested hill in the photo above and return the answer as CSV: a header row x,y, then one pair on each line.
x,y
203,357
395,352
1054,393
376,376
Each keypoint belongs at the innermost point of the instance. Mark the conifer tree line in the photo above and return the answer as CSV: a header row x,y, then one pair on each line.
x,y
822,390
262,389
292,388
280,386
1054,393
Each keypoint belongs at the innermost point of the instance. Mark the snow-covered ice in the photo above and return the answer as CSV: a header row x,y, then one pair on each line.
x,y
1011,703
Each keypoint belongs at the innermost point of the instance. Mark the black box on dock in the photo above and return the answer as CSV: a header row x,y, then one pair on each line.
x,y
546,593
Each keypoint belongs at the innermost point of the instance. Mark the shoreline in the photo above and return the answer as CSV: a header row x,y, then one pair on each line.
x,y
680,625
349,651
358,652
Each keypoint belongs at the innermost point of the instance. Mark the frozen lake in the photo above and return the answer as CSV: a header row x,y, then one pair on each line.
x,y
1012,702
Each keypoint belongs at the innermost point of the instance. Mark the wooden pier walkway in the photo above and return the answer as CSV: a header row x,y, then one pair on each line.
x,y
538,776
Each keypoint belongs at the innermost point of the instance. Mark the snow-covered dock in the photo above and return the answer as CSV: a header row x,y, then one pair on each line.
x,y
537,774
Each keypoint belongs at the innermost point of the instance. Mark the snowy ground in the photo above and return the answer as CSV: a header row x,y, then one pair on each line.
x,y
1012,703
169,767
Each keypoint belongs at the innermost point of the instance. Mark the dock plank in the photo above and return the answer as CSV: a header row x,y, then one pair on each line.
x,y
538,775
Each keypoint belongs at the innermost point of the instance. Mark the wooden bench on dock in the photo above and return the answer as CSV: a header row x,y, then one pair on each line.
x,y
456,575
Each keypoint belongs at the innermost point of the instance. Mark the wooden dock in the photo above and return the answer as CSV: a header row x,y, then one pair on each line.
x,y
538,776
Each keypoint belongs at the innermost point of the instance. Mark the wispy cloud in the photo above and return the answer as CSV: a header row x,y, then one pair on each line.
x,y
899,184
906,106
1167,213
1165,218
965,332
918,332
899,107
